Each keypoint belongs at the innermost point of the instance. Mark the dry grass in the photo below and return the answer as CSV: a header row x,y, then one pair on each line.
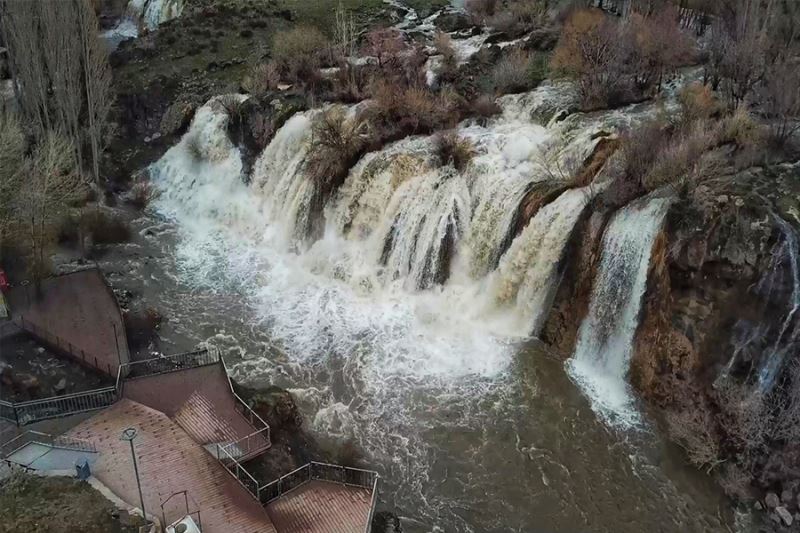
x,y
338,142
454,150
298,53
518,71
263,78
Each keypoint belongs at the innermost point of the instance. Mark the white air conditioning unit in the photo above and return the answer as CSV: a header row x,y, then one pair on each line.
x,y
184,525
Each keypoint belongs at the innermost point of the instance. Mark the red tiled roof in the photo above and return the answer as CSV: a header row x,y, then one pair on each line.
x,y
169,461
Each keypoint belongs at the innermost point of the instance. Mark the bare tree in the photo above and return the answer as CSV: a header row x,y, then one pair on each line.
x,y
97,81
12,158
49,188
62,54
780,94
20,28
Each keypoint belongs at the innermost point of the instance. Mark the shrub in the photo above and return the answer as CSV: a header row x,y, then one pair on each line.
x,y
141,194
338,142
398,111
444,47
485,107
454,150
104,227
697,102
480,9
386,44
518,71
262,78
299,53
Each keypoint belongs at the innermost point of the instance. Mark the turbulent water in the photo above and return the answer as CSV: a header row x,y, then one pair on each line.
x,y
605,339
406,326
142,14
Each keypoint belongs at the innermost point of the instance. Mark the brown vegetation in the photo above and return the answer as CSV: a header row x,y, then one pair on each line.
x,y
454,150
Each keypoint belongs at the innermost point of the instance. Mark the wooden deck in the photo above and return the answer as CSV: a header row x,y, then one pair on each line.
x,y
77,314
322,507
169,461
200,401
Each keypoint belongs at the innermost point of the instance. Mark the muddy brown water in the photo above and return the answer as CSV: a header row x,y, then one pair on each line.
x,y
519,452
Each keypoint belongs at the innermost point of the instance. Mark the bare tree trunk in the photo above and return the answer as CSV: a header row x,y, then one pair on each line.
x,y
97,81
62,52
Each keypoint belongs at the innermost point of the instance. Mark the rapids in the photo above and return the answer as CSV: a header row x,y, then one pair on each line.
x,y
406,327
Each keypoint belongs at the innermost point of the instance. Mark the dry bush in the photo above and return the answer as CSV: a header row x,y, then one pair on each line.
x,y
736,482
141,194
590,51
454,150
444,47
788,400
386,44
484,107
698,101
518,16
518,71
262,78
655,46
338,142
693,428
745,419
104,227
740,128
399,111
299,53
480,9
780,93
681,160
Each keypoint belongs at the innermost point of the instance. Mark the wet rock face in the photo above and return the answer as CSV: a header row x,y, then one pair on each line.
x,y
386,522
278,409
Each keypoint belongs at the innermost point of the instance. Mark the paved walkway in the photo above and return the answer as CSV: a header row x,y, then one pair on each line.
x,y
169,461
321,507
43,457
76,313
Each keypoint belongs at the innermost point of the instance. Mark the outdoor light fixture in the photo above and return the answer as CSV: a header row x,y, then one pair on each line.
x,y
129,434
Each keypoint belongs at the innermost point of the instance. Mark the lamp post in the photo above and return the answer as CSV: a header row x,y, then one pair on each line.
x,y
128,435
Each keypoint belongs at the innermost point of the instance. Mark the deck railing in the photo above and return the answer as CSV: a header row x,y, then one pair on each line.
x,y
248,446
58,406
21,413
54,441
62,345
171,363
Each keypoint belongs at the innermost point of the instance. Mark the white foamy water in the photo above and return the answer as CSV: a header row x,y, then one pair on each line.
x,y
388,327
605,339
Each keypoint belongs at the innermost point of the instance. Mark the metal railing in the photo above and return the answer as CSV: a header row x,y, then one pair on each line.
x,y
7,411
63,345
238,471
46,439
170,363
58,406
248,446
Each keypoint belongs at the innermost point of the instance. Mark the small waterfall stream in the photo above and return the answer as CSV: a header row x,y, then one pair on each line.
x,y
605,339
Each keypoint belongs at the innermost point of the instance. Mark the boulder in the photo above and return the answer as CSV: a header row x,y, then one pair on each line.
x,y
772,500
787,497
784,514
60,387
386,522
176,118
278,408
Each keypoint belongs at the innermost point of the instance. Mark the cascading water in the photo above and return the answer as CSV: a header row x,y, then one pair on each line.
x,y
147,14
605,338
388,325
789,334
528,274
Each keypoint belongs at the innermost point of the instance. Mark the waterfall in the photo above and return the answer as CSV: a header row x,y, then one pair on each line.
x,y
148,14
279,178
605,338
529,272
789,333
423,223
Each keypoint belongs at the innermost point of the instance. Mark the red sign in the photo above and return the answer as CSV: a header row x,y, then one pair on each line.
x,y
3,281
